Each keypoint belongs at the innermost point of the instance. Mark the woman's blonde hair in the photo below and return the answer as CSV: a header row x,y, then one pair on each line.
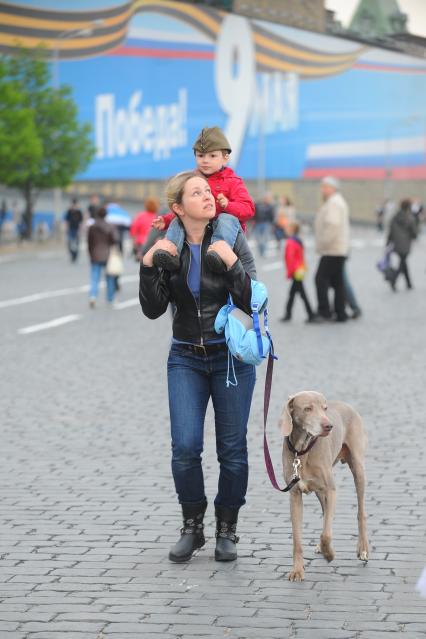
x,y
176,186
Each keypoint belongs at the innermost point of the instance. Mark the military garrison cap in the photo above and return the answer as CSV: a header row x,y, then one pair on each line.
x,y
211,139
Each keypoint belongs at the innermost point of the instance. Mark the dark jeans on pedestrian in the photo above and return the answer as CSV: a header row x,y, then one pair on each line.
x,y
297,288
403,270
192,381
73,244
262,233
330,275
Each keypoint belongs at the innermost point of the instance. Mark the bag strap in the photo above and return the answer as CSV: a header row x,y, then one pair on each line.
x,y
267,397
230,303
256,326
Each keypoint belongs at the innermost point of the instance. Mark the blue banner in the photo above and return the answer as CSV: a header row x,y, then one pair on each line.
x,y
293,104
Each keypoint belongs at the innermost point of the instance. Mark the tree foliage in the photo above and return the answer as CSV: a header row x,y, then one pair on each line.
x,y
42,143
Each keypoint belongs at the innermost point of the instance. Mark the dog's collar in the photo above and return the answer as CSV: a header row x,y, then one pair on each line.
x,y
301,452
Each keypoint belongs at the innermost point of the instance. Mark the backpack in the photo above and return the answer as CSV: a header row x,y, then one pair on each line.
x,y
247,336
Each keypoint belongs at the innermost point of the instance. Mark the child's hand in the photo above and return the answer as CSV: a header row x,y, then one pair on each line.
x,y
222,201
158,223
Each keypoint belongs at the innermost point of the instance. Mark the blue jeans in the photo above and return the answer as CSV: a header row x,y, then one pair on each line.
x,y
96,269
73,243
262,233
225,227
192,381
349,291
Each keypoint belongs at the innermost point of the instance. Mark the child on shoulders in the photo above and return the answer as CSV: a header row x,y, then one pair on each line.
x,y
234,205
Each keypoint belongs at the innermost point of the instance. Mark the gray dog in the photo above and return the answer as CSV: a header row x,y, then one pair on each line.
x,y
319,433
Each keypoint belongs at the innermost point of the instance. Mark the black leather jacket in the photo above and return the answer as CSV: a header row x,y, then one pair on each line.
x,y
194,322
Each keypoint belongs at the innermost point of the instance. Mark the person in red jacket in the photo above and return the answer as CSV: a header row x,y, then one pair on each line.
x,y
142,224
234,205
294,258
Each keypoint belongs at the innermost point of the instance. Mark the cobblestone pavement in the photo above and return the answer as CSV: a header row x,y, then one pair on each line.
x,y
88,509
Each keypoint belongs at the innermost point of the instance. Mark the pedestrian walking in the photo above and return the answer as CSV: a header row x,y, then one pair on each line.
x,y
3,213
403,230
285,214
142,225
234,205
417,210
120,219
294,258
389,210
263,219
94,204
73,219
101,236
380,211
332,245
198,364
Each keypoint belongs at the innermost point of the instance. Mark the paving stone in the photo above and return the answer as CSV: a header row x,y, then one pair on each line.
x,y
88,509
141,628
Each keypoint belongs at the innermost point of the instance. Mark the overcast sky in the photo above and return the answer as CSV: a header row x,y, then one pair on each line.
x,y
415,9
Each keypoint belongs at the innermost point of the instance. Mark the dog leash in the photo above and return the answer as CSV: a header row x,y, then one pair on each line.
x,y
268,461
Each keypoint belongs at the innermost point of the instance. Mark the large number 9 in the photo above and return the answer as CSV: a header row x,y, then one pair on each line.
x,y
235,78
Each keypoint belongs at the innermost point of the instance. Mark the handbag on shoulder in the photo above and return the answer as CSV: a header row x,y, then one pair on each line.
x,y
114,265
247,336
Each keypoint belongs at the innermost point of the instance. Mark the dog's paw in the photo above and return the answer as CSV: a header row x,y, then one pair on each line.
x,y
318,550
363,555
326,548
328,553
362,550
297,575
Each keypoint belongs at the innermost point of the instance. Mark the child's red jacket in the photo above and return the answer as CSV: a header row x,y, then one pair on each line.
x,y
294,256
240,204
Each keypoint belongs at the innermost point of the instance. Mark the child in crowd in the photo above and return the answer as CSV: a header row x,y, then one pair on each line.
x,y
295,264
234,205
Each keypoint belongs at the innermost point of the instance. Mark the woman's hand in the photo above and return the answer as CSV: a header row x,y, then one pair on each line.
x,y
225,253
164,244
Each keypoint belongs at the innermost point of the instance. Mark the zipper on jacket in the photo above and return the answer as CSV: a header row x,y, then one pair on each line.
x,y
198,305
200,319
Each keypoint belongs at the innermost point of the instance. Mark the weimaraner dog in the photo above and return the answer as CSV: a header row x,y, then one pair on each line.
x,y
317,434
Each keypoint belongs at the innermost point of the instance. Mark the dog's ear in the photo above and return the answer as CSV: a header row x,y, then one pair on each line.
x,y
286,422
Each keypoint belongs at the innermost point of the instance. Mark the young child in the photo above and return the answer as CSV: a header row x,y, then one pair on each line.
x,y
295,264
234,205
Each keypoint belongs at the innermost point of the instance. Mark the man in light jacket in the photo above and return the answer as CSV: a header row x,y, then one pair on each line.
x,y
332,244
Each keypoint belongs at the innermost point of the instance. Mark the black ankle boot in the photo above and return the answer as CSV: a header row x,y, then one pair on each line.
x,y
226,538
165,260
192,532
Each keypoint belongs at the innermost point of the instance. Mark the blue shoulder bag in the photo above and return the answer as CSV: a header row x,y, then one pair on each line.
x,y
247,336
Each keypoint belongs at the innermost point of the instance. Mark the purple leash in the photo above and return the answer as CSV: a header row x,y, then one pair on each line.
x,y
268,460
